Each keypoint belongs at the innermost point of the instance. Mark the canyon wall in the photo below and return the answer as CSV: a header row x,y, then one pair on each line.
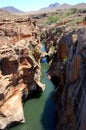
x,y
68,71
20,70
71,102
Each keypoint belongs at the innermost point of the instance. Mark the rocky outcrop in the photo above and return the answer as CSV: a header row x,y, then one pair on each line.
x,y
65,44
68,71
20,69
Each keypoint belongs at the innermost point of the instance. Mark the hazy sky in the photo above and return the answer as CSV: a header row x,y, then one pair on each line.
x,y
30,5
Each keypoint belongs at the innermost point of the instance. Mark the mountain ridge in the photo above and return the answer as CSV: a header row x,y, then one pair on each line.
x,y
54,5
63,6
50,7
12,9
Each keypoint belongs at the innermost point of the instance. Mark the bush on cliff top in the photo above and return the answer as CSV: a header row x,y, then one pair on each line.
x,y
72,11
52,19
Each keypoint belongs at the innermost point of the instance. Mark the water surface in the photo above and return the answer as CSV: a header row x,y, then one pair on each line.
x,y
39,111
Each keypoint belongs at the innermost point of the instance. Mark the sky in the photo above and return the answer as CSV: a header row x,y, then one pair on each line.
x,y
33,5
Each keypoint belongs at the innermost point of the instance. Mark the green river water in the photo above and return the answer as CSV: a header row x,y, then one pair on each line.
x,y
39,112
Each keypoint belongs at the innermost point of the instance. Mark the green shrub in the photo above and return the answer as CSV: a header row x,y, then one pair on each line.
x,y
51,19
79,20
72,11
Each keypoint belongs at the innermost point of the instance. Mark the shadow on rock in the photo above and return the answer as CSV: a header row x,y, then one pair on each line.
x,y
48,117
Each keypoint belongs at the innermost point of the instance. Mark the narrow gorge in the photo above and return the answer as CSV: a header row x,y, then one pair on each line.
x,y
66,49
50,85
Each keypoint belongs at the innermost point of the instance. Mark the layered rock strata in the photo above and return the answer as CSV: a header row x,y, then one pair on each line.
x,y
71,101
20,70
68,71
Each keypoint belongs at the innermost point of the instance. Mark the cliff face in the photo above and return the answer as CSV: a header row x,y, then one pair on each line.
x,y
71,101
20,69
68,71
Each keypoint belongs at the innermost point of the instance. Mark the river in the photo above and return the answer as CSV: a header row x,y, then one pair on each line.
x,y
39,111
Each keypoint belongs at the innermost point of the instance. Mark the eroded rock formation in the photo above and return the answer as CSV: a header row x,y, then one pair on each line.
x,y
71,99
68,69
20,70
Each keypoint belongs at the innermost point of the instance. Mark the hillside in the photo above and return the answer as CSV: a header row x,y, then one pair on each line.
x,y
12,9
51,7
6,15
63,6
80,5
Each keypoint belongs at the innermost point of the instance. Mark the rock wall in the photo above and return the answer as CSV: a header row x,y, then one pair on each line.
x,y
20,70
71,101
68,71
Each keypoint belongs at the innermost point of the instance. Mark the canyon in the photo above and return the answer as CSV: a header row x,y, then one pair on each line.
x,y
20,67
66,49
20,70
